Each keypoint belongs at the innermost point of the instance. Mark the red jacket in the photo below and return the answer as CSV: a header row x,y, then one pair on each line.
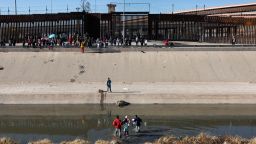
x,y
117,123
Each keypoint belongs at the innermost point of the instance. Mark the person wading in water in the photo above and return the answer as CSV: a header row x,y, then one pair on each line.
x,y
117,124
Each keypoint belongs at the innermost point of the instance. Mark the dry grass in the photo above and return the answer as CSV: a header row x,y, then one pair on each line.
x,y
200,139
46,141
102,142
7,141
166,140
77,141
107,142
252,141
204,139
234,140
43,141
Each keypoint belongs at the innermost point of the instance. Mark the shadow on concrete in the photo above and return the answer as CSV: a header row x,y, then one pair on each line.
x,y
103,50
132,92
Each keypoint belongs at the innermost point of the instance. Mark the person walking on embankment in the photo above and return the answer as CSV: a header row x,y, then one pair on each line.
x,y
109,85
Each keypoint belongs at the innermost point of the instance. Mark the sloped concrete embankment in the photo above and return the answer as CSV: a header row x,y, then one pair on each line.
x,y
129,68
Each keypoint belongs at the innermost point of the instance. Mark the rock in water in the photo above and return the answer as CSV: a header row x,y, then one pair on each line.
x,y
122,103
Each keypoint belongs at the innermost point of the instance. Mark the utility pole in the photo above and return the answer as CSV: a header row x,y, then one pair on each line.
x,y
15,7
196,9
124,24
51,6
8,11
100,28
95,6
46,9
172,8
29,10
67,8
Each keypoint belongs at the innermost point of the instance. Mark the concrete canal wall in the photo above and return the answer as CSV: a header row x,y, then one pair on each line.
x,y
138,77
173,66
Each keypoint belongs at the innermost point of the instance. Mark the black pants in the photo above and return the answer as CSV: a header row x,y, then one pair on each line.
x,y
109,88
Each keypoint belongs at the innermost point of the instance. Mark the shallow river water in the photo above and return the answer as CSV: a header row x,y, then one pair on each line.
x,y
58,123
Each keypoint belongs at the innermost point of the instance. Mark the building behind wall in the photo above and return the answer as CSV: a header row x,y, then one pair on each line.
x,y
184,26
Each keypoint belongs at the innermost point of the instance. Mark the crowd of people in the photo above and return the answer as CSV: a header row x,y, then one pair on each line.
x,y
76,40
11,42
124,125
61,40
119,41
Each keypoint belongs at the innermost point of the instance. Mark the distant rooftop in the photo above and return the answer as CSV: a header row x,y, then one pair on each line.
x,y
223,10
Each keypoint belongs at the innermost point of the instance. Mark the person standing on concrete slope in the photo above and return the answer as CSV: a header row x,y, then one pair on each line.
x,y
137,40
109,85
82,46
233,40
146,42
117,124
